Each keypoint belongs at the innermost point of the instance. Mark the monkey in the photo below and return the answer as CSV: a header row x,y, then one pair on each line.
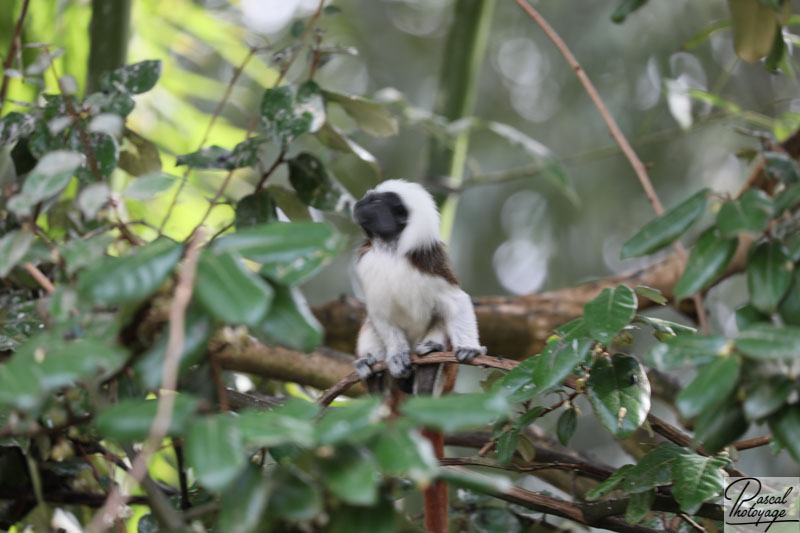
x,y
413,298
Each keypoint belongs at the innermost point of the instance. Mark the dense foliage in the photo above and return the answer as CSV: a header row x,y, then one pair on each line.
x,y
90,294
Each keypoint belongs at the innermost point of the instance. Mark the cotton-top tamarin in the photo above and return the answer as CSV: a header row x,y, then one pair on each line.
x,y
414,302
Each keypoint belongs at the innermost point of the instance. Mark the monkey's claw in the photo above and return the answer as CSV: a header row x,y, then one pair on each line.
x,y
363,367
465,355
426,347
399,364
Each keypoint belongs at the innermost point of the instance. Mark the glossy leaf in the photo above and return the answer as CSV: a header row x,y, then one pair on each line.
x,y
281,425
518,385
118,280
665,329
93,198
781,166
131,420
697,480
231,292
619,393
609,312
13,248
713,383
255,209
639,505
687,350
276,242
136,78
290,322
625,8
752,212
48,178
401,450
609,484
351,474
297,497
351,422
719,426
767,396
315,186
244,503
286,113
333,137
214,451
707,261
567,423
558,360
663,230
766,341
654,469
785,427
789,308
654,295
245,154
787,199
150,364
304,268
507,445
456,412
769,274
747,315
372,118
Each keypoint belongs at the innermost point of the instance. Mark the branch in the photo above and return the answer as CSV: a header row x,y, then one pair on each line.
x,y
40,278
755,442
12,50
169,381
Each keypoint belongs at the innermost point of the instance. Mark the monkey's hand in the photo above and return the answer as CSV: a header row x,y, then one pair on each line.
x,y
399,364
465,354
363,367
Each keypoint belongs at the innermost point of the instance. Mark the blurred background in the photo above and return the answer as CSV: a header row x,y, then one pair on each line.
x,y
691,108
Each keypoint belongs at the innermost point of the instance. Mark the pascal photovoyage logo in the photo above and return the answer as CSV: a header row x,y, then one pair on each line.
x,y
762,504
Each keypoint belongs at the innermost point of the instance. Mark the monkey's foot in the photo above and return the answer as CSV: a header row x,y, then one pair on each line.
x,y
465,354
399,364
426,347
363,367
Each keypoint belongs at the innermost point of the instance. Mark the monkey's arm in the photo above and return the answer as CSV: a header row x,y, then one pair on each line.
x,y
398,358
462,326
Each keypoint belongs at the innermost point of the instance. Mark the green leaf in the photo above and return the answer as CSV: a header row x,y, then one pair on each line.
x,y
286,113
297,498
665,329
456,412
781,166
289,321
148,186
654,469
351,474
625,8
80,253
765,341
277,242
15,125
752,212
558,360
13,248
288,202
379,518
663,230
609,312
150,364
230,291
372,118
769,274
619,392
687,350
787,199
333,137
244,503
138,155
315,186
507,445
45,363
789,308
747,315
352,422
245,154
401,450
214,450
708,260
654,295
608,484
136,78
131,420
304,268
541,155
48,178
105,151
118,280
785,427
518,384
567,423
639,505
767,396
255,209
717,427
713,383
697,480
289,423
93,198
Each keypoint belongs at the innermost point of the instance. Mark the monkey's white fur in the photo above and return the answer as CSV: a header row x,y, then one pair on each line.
x,y
410,310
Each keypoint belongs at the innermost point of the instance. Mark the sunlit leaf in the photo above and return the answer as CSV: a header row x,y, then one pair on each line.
x,y
609,312
619,392
136,78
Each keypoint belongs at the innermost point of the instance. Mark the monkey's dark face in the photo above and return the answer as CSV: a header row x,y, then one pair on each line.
x,y
381,215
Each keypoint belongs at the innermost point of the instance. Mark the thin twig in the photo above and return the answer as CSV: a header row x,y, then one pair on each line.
x,y
169,380
270,170
40,278
311,22
12,50
755,442
222,394
616,133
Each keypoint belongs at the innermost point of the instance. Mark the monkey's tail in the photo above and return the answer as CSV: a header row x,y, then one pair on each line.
x,y
435,496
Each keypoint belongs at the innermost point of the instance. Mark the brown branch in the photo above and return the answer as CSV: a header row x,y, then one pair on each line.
x,y
12,51
270,170
755,442
40,278
169,380
582,468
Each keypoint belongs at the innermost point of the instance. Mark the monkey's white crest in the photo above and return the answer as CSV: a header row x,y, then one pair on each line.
x,y
422,229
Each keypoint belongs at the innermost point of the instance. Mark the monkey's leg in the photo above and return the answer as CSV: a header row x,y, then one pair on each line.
x,y
427,376
462,328
370,350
